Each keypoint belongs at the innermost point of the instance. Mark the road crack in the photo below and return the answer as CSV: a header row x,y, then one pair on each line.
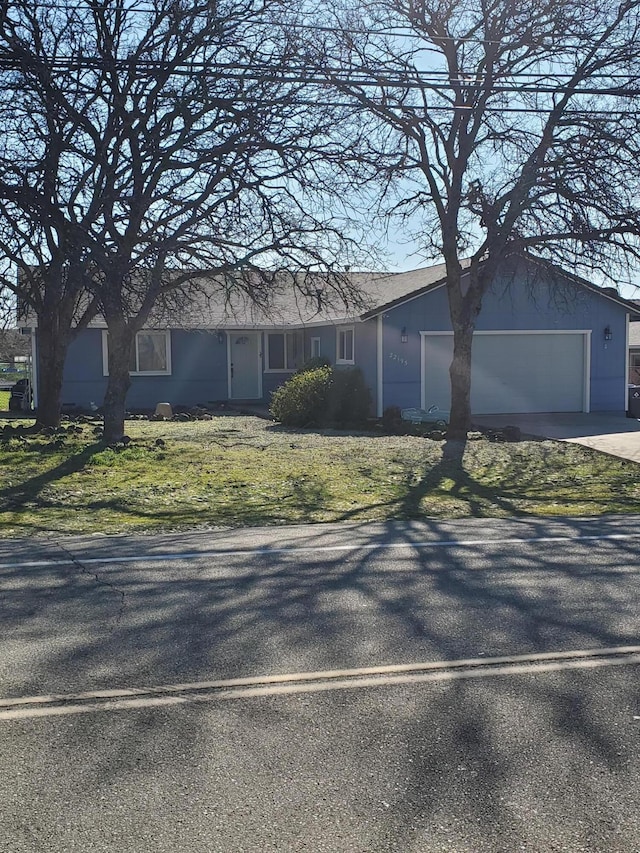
x,y
98,576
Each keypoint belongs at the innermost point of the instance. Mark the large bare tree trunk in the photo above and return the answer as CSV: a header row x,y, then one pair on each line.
x,y
460,374
465,301
53,344
120,343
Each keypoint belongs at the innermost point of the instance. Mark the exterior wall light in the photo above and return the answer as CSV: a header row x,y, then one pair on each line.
x,y
404,337
607,333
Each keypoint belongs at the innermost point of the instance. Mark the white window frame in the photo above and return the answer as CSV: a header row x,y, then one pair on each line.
x,y
286,368
315,348
167,335
340,332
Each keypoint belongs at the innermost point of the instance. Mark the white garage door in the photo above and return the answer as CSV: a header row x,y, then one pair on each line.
x,y
539,372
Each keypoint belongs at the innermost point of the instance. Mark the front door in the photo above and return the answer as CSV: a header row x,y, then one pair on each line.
x,y
245,374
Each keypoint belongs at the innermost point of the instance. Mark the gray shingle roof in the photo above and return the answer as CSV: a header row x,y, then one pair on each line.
x,y
374,292
287,306
315,301
208,307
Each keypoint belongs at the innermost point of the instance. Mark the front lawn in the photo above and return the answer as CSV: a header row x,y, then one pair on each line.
x,y
237,471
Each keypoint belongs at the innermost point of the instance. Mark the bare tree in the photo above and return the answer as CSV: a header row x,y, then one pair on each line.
x,y
500,127
182,146
52,289
44,267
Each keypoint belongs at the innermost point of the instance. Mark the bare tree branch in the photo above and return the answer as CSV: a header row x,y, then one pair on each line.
x,y
518,127
168,141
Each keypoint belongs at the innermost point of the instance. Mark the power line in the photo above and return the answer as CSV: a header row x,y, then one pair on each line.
x,y
268,74
64,62
575,113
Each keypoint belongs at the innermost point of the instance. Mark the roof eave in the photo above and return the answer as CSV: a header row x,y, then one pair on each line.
x,y
401,300
593,288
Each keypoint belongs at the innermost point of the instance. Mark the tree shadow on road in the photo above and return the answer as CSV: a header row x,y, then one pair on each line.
x,y
449,748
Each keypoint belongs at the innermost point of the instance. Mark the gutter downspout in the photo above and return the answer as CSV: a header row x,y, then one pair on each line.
x,y
379,336
625,405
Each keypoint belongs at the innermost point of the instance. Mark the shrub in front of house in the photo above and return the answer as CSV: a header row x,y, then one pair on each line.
x,y
302,400
349,398
322,397
314,363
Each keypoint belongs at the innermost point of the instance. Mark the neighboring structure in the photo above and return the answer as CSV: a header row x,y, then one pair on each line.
x,y
15,369
15,349
546,341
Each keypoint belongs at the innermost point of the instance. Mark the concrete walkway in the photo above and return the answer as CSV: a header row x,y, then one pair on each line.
x,y
610,432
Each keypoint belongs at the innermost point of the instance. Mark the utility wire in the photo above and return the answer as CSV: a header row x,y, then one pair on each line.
x,y
12,60
575,113
470,78
267,74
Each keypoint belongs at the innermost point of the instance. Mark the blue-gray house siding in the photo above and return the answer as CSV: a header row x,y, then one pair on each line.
x,y
388,347
199,367
511,305
199,372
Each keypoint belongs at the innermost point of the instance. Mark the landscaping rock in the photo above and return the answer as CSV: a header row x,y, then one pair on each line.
x,y
164,411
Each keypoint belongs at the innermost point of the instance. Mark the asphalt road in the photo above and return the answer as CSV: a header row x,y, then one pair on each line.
x,y
462,686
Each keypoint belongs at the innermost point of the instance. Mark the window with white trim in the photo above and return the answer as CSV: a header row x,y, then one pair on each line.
x,y
345,348
150,355
315,347
285,351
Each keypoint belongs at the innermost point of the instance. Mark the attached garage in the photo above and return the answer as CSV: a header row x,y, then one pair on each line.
x,y
512,371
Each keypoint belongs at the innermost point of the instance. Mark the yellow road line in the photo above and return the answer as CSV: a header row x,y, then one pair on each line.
x,y
314,682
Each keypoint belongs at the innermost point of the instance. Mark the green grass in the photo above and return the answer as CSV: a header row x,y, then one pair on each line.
x,y
4,401
236,471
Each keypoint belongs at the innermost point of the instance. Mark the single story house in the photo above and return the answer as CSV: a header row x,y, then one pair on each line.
x,y
546,341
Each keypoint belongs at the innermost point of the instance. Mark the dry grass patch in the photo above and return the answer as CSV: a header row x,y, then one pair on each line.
x,y
238,471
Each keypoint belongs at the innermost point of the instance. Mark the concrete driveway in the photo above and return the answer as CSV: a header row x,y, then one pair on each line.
x,y
610,432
